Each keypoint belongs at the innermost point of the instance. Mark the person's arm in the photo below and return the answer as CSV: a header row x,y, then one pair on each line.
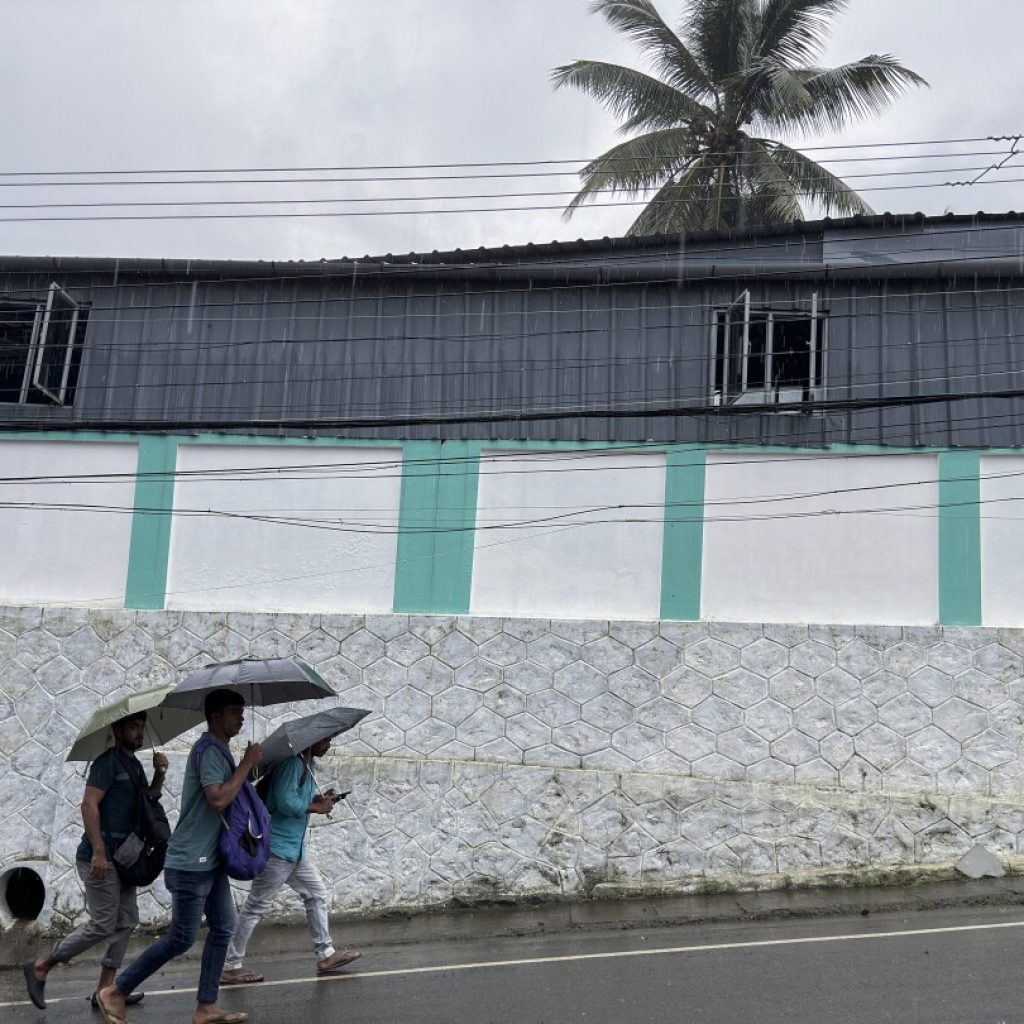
x,y
91,820
219,795
159,774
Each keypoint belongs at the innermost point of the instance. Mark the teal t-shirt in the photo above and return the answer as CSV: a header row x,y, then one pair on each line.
x,y
193,846
291,792
118,806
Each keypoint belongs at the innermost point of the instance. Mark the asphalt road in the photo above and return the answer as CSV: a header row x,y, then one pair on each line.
x,y
955,966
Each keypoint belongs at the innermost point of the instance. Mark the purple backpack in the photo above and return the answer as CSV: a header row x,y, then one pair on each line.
x,y
244,843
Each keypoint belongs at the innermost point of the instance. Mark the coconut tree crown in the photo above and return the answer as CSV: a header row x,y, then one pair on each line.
x,y
734,73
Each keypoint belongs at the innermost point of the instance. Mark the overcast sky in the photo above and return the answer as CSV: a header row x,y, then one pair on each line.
x,y
124,84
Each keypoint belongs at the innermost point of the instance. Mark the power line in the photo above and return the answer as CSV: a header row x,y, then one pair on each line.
x,y
336,526
109,218
609,189
508,175
444,166
372,469
517,415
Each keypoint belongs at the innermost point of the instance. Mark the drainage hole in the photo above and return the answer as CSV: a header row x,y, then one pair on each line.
x,y
24,894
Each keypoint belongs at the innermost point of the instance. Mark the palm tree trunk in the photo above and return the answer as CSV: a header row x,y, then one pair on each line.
x,y
721,195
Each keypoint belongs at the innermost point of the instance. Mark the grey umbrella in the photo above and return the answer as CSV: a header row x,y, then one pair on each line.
x,y
259,681
299,734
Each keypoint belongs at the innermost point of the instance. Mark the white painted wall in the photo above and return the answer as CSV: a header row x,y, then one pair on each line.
x,y
578,563
234,564
855,567
1002,540
64,555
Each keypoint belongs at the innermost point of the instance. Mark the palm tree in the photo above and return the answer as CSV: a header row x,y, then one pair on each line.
x,y
735,71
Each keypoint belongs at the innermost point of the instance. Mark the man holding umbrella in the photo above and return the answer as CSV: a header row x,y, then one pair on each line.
x,y
291,797
108,814
194,874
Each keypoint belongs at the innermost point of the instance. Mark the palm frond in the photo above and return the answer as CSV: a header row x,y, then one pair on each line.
x,y
775,96
814,182
768,91
686,203
635,165
641,22
794,32
718,33
643,101
770,196
852,92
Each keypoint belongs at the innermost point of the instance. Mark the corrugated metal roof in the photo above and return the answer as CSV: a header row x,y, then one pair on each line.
x,y
224,345
498,255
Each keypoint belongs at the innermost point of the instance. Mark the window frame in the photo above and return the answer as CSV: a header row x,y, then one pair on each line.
x,y
40,340
721,324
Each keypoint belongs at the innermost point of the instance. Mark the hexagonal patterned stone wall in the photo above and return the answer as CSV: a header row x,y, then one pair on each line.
x,y
511,756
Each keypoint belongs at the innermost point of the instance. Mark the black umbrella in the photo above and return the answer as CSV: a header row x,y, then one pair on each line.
x,y
300,734
260,681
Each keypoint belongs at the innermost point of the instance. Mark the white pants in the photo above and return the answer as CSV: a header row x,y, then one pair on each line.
x,y
303,878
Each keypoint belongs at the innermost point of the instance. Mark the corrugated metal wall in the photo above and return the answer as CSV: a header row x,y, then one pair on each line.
x,y
166,349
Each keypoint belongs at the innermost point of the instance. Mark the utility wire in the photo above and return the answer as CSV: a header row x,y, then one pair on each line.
x,y
517,415
489,163
489,176
438,211
572,510
609,189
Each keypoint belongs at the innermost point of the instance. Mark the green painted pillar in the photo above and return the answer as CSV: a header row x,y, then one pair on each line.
x,y
682,553
146,586
436,526
960,539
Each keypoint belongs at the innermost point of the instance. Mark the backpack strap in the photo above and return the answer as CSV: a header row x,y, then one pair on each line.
x,y
135,770
211,741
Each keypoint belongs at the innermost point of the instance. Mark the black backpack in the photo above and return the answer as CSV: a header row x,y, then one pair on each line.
x,y
263,783
139,858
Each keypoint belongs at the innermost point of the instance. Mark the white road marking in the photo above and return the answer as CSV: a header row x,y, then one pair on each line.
x,y
710,947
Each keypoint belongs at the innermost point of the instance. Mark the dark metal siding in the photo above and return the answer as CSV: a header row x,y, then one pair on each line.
x,y
164,348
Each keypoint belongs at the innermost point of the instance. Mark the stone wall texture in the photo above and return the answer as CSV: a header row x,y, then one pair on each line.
x,y
518,757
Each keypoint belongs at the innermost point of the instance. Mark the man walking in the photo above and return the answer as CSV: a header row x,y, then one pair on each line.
x,y
109,815
291,799
193,873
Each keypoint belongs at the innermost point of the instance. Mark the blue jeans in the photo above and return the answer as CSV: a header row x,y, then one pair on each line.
x,y
192,892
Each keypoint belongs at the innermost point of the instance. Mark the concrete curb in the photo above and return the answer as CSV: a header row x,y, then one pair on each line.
x,y
291,940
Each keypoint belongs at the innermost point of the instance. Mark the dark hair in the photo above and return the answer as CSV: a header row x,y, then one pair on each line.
x,y
137,716
218,700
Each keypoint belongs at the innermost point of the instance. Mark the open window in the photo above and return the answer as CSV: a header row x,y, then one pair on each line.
x,y
766,355
40,348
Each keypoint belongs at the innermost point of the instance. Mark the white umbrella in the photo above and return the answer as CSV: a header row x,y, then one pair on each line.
x,y
162,723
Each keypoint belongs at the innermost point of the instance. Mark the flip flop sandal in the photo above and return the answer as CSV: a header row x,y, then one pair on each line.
x,y
339,960
108,1014
249,978
133,1000
228,1018
35,986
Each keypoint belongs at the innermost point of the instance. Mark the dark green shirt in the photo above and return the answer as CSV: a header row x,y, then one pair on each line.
x,y
118,806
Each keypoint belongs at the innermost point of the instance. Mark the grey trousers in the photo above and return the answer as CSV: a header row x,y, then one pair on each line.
x,y
304,878
113,916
